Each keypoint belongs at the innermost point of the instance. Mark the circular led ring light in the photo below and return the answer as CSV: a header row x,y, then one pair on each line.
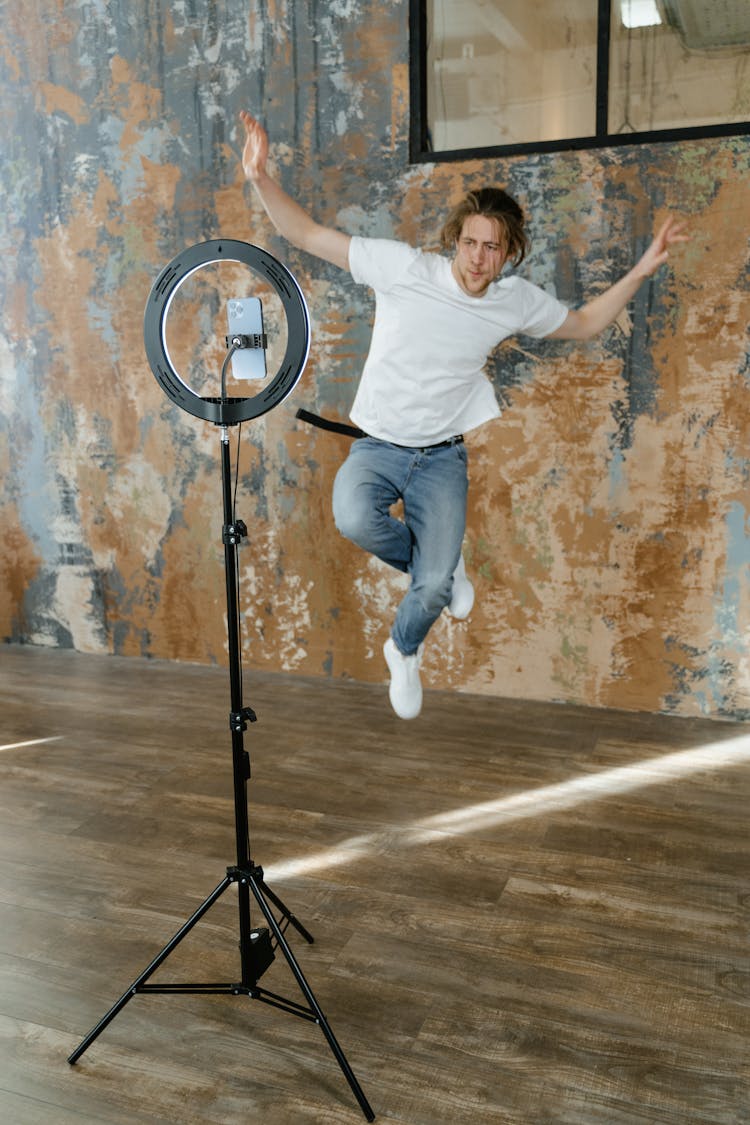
x,y
228,411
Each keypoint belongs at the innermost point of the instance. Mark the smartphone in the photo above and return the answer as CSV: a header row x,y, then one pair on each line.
x,y
245,316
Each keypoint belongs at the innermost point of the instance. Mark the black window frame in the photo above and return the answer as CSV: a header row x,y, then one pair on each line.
x,y
421,153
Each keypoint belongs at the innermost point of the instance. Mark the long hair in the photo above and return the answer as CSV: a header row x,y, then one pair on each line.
x,y
493,203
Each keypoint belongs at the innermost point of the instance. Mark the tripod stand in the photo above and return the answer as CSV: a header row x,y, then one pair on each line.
x,y
257,944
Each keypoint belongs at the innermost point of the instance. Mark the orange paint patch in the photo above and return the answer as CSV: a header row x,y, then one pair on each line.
x,y
59,99
19,565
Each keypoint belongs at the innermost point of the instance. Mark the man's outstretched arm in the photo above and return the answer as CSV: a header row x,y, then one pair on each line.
x,y
290,220
601,311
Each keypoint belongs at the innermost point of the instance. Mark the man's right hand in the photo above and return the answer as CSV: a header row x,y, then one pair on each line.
x,y
255,152
290,220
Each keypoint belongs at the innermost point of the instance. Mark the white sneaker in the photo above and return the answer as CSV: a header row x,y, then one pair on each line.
x,y
462,597
405,692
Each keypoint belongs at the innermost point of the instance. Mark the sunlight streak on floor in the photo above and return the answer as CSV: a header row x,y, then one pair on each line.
x,y
532,802
30,742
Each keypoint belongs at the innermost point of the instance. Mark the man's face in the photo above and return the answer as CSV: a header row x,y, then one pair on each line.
x,y
480,255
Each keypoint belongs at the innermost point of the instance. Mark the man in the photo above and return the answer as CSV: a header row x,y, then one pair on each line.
x,y
423,384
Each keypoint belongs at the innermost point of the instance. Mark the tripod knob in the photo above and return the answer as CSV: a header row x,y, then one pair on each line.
x,y
234,532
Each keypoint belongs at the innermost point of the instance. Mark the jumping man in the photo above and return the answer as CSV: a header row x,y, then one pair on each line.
x,y
423,386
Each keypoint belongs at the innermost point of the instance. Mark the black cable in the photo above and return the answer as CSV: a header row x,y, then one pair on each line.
x,y
236,576
224,367
237,561
236,473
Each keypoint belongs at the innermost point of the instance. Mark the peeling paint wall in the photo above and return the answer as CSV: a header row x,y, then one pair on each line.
x,y
608,526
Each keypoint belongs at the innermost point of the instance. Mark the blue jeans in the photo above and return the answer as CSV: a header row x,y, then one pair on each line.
x,y
427,543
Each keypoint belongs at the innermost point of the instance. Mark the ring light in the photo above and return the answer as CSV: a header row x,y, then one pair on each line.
x,y
226,411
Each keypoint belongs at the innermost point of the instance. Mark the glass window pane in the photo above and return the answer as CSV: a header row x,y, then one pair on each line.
x,y
683,63
505,72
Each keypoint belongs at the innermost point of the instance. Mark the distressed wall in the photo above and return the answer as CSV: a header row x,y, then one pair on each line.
x,y
608,529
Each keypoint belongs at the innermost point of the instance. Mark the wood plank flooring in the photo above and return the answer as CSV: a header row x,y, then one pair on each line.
x,y
523,913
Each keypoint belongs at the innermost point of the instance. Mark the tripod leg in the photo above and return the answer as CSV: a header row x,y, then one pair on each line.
x,y
280,906
310,998
132,989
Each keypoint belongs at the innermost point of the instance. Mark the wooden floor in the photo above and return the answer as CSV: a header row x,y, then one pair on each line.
x,y
522,913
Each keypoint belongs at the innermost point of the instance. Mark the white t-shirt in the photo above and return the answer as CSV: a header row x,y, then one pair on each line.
x,y
423,381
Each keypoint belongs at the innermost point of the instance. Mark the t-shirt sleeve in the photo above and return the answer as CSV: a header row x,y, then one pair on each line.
x,y
541,313
379,262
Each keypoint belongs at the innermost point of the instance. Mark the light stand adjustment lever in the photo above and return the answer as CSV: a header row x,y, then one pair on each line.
x,y
233,533
238,720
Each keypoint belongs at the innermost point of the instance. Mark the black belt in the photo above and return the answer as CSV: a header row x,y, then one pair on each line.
x,y
355,432
327,424
457,440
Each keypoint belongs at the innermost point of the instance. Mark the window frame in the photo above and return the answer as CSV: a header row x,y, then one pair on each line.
x,y
420,153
